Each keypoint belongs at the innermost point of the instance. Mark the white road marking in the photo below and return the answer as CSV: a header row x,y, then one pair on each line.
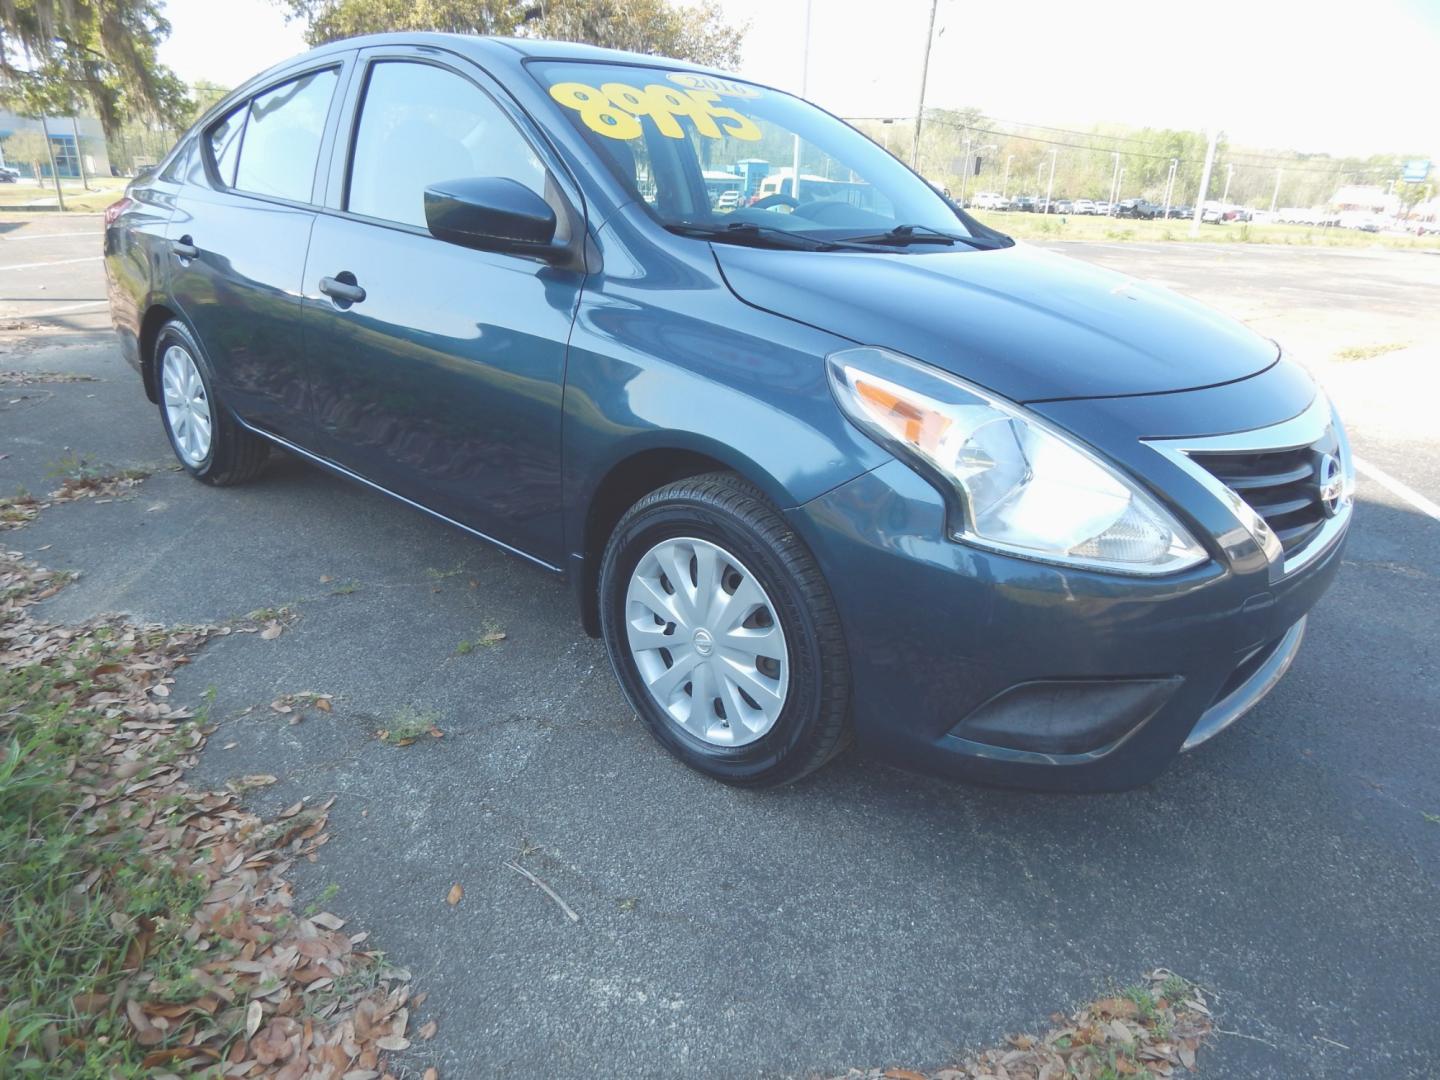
x,y
1396,487
55,262
89,235
53,310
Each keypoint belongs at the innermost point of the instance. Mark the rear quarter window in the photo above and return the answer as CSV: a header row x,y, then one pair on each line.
x,y
282,137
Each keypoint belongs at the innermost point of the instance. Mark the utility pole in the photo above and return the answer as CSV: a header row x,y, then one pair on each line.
x,y
1204,182
79,154
1170,186
1229,175
924,74
1049,191
965,170
804,87
1115,176
1119,187
1005,184
54,172
1275,198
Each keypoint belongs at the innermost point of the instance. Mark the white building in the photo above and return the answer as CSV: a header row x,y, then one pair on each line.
x,y
72,139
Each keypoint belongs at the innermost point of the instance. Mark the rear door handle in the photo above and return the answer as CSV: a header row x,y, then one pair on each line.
x,y
184,248
342,288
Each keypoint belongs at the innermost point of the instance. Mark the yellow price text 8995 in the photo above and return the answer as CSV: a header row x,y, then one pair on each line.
x,y
614,110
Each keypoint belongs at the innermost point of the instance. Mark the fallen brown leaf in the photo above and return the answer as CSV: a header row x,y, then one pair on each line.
x,y
453,896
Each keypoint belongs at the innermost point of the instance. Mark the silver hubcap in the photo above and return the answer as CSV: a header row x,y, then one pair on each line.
x,y
707,641
187,406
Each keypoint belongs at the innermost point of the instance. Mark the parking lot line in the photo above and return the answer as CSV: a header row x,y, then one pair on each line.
x,y
88,234
55,310
55,262
1397,487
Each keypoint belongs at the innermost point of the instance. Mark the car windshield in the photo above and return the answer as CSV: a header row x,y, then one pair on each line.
x,y
710,155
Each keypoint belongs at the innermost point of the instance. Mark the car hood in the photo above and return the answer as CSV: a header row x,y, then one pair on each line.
x,y
1025,323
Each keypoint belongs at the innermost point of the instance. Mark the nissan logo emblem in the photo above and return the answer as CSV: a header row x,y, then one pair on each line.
x,y
1332,485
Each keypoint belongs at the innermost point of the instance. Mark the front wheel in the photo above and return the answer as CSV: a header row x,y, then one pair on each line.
x,y
209,442
723,634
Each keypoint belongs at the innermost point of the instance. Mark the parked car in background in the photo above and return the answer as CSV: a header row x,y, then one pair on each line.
x,y
1102,208
989,200
842,463
1063,206
1023,204
1138,208
1082,206
8,175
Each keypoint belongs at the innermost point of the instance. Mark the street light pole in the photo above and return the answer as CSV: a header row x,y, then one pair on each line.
x,y
1204,189
1115,176
965,170
1119,187
1005,184
79,154
1225,196
1049,191
1170,185
54,172
1275,198
804,87
924,74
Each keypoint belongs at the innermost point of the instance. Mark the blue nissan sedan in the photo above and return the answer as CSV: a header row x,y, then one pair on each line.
x,y
823,458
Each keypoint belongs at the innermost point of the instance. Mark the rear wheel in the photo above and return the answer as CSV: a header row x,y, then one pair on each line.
x,y
723,634
209,442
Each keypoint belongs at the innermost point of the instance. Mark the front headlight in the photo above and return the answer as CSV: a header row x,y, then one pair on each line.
x,y
1017,484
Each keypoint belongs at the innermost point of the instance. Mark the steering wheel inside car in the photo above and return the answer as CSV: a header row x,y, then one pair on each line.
x,y
775,200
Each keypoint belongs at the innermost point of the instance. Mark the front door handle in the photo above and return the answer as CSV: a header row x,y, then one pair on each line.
x,y
184,248
342,288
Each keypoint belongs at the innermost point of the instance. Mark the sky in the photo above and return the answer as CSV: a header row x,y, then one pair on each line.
x,y
1312,75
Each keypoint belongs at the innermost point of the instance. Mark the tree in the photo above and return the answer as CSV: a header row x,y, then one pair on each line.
x,y
204,94
58,55
28,146
648,26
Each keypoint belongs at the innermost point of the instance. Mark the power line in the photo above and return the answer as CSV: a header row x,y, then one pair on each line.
x,y
1290,165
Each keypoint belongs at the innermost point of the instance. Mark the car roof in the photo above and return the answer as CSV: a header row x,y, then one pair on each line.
x,y
482,47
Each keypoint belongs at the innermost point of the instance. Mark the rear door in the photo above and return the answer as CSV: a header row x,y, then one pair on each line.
x,y
238,238
443,384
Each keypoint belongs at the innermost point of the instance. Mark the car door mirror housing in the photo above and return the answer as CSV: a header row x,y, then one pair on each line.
x,y
492,213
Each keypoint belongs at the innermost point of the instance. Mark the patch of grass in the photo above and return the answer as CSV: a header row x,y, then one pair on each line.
x,y
1434,819
488,638
76,903
1369,352
74,467
409,725
1024,226
345,588
318,904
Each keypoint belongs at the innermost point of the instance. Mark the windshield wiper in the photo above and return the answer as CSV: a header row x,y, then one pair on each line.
x,y
904,235
742,232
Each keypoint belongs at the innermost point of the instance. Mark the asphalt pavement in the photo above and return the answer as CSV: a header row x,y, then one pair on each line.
x,y
863,917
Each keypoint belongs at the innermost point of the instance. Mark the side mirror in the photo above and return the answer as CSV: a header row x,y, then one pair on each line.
x,y
492,213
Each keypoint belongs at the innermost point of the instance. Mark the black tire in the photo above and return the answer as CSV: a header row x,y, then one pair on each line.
x,y
236,455
814,723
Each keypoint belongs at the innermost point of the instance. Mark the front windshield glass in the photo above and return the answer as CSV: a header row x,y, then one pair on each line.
x,y
708,153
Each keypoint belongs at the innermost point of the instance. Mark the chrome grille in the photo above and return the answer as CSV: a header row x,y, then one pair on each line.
x,y
1282,486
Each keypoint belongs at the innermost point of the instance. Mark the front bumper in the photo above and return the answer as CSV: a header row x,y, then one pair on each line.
x,y
1005,671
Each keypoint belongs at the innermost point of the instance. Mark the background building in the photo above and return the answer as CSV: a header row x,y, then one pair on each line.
x,y
73,139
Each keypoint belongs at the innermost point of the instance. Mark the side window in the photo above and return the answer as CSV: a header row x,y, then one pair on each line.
x,y
225,144
420,124
282,137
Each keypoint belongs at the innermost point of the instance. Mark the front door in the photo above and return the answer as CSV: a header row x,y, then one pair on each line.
x,y
237,246
443,383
